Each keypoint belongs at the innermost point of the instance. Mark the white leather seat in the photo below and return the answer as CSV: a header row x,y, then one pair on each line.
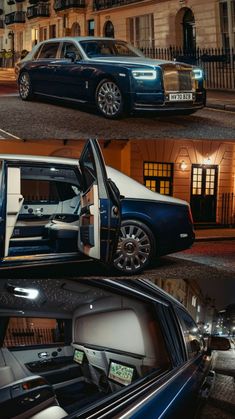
x,y
52,412
6,376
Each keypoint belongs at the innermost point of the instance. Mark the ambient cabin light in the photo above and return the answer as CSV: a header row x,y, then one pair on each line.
x,y
29,293
183,166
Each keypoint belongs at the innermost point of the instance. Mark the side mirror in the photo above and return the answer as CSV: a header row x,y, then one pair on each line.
x,y
23,54
71,56
218,343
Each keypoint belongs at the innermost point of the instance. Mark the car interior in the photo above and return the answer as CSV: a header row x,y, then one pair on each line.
x,y
72,345
48,211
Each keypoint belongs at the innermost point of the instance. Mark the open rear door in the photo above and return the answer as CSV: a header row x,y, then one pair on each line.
x,y
100,206
14,203
3,197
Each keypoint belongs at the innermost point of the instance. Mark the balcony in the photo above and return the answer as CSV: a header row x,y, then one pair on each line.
x,y
108,4
60,5
15,17
40,10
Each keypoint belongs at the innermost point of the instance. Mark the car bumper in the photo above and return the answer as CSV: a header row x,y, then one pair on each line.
x,y
160,102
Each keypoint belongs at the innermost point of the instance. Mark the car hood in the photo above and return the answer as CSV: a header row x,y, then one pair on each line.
x,y
137,61
130,188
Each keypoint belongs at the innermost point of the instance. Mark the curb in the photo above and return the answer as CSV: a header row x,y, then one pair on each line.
x,y
214,238
221,106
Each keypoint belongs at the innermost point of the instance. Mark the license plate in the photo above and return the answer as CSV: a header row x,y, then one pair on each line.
x,y
180,97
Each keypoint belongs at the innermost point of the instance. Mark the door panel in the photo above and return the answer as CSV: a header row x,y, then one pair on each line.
x,y
14,203
3,196
100,207
204,192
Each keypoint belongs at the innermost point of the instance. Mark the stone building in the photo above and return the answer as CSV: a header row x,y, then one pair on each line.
x,y
145,23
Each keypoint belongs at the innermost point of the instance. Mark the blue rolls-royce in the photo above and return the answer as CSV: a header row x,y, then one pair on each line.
x,y
54,210
111,74
72,348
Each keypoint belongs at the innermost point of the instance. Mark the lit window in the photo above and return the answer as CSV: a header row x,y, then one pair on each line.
x,y
158,177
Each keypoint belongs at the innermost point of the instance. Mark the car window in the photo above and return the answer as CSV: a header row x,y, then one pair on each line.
x,y
48,50
48,184
70,47
89,170
33,331
102,48
192,337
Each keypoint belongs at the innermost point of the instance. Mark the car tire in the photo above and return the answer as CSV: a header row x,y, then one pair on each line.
x,y
136,248
25,86
109,99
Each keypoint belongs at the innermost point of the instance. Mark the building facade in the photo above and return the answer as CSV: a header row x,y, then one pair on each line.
x,y
145,23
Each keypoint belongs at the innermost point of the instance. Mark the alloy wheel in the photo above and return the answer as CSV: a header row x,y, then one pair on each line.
x,y
24,86
133,250
109,99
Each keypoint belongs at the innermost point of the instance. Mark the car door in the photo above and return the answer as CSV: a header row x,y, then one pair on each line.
x,y
42,69
100,206
70,75
14,203
2,207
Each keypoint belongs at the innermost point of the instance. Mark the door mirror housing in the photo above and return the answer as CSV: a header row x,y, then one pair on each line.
x,y
218,343
71,56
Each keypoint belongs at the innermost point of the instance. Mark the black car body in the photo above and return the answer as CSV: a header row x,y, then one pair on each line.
x,y
110,73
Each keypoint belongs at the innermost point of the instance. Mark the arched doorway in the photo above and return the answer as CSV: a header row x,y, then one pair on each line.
x,y
185,29
75,30
189,32
109,29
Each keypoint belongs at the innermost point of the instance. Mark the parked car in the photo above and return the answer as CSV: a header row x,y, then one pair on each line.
x,y
111,74
99,348
57,210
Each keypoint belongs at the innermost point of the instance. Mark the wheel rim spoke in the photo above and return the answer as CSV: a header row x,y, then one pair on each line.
x,y
109,99
133,248
24,86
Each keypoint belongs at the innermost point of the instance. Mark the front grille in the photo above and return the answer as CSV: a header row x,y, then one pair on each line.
x,y
178,79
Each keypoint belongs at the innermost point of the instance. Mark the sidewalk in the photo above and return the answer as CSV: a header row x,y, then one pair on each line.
x,y
7,76
215,234
222,100
216,99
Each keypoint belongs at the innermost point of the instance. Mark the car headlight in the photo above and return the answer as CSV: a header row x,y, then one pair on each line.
x,y
198,73
144,74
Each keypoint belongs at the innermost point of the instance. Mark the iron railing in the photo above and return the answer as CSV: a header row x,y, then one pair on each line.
x,y
108,4
68,4
227,209
40,10
36,336
15,17
217,63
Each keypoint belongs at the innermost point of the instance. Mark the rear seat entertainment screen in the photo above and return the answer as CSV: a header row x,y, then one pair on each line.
x,y
78,356
121,373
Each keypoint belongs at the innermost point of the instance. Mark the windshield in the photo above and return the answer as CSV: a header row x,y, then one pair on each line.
x,y
109,48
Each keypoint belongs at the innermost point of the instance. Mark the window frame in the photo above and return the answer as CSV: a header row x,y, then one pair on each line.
x,y
158,179
38,52
67,332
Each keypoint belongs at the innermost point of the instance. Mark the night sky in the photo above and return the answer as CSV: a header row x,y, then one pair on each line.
x,y
223,290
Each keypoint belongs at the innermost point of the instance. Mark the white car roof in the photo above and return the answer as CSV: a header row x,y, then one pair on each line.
x,y
127,186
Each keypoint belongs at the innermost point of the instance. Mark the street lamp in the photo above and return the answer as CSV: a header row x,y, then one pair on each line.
x,y
11,36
